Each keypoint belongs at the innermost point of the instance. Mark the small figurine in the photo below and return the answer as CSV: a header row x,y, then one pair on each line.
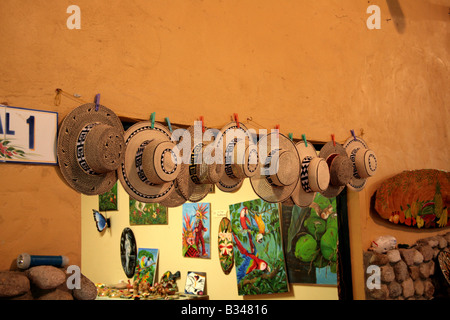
x,y
383,244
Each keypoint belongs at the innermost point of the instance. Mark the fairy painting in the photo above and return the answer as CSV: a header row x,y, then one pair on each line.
x,y
258,248
196,234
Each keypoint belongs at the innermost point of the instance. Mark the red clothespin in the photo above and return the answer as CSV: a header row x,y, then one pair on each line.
x,y
277,127
236,118
203,124
334,140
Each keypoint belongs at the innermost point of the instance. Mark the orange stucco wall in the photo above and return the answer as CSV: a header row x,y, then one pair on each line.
x,y
311,66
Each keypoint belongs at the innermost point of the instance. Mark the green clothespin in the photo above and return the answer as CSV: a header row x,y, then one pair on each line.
x,y
291,136
168,124
152,119
304,139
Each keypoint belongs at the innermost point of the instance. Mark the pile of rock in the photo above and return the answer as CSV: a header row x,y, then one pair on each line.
x,y
406,273
43,283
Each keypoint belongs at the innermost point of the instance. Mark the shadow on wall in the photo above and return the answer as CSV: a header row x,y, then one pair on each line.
x,y
397,15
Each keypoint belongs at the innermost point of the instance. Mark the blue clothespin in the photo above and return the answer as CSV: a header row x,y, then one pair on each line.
x,y
304,139
152,119
168,124
97,101
353,134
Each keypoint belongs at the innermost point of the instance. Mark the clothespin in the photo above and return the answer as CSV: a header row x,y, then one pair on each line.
x,y
353,134
334,141
304,139
97,101
168,124
203,124
277,127
236,118
152,119
291,136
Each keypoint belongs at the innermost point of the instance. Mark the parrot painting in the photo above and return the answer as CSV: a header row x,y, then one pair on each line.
x,y
251,260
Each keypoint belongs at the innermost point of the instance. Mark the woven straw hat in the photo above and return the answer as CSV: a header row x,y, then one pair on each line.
x,y
314,175
364,162
150,165
240,156
90,148
340,167
202,170
280,168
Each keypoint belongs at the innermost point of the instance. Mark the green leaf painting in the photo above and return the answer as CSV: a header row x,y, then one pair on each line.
x,y
258,248
108,200
310,239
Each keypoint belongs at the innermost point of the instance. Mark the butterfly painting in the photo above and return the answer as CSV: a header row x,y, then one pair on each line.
x,y
100,221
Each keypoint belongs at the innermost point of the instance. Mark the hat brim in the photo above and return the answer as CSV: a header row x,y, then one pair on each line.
x,y
230,183
261,186
71,126
128,176
327,150
352,145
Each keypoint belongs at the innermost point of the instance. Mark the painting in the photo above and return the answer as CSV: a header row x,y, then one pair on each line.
x,y
108,200
195,283
146,264
225,243
310,238
258,248
418,199
147,213
196,230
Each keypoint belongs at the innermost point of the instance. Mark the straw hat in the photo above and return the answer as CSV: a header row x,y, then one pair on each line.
x,y
240,156
364,162
340,167
202,170
90,148
280,169
314,175
150,164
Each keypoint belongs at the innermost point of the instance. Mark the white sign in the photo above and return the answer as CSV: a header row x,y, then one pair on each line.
x,y
27,135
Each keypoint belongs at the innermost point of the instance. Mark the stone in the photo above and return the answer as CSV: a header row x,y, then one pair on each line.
x,y
424,270
13,283
87,291
446,236
393,256
379,294
427,252
408,255
387,273
442,242
408,288
46,277
56,294
401,271
378,259
429,289
418,257
419,287
414,272
395,289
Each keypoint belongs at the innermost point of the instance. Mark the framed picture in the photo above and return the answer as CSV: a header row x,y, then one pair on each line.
x,y
195,283
310,237
258,248
147,213
146,265
196,240
108,200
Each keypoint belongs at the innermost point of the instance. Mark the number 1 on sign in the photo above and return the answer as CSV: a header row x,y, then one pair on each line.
x,y
31,133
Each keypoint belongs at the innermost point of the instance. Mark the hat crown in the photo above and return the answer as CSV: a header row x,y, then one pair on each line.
x,y
103,147
365,163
